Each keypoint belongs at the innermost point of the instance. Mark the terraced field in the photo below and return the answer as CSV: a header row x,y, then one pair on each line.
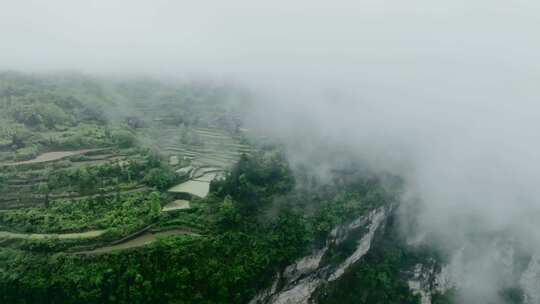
x,y
202,147
29,183
204,154
192,187
208,158
91,165
198,155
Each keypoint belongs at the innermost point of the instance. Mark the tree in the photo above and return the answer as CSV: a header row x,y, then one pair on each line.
x,y
117,189
3,185
255,179
123,138
86,182
227,215
160,178
155,204
52,115
43,189
18,134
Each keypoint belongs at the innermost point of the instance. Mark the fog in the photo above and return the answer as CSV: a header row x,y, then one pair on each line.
x,y
445,94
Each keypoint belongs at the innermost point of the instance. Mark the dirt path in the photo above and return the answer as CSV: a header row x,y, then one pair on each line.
x,y
42,236
52,156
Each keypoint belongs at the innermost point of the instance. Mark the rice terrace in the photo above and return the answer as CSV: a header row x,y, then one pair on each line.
x,y
97,179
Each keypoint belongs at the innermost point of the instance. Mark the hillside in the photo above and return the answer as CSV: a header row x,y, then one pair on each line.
x,y
140,191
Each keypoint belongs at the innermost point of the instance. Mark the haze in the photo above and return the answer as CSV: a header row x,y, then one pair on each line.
x,y
443,93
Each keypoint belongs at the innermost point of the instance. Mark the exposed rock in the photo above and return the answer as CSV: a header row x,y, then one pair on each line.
x,y
374,219
419,284
530,281
297,283
304,266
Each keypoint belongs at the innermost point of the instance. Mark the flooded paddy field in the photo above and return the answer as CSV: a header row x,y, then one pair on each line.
x,y
193,187
177,205
202,146
207,178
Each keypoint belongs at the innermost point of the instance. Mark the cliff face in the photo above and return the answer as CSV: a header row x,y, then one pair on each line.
x,y
298,282
368,261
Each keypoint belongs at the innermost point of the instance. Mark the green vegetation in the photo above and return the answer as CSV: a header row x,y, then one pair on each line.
x,y
186,269
128,212
103,154
34,119
85,177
